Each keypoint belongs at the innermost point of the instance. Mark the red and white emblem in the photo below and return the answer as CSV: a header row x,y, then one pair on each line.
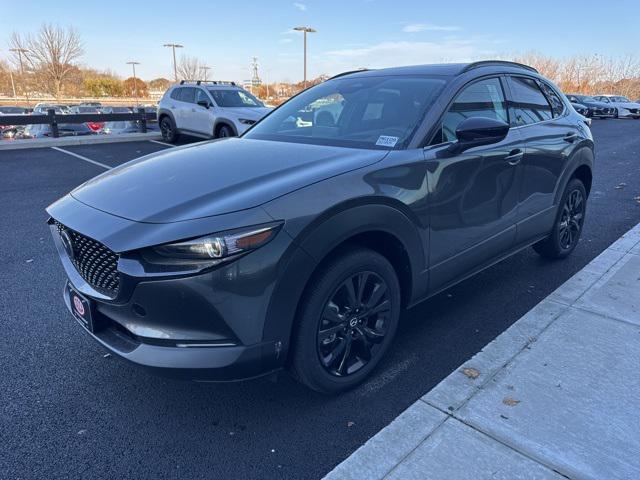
x,y
77,303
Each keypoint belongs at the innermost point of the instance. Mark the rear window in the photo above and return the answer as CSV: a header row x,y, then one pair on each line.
x,y
557,104
529,104
188,94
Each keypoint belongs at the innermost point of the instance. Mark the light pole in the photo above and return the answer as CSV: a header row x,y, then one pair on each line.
x,y
305,30
20,51
135,86
206,69
174,46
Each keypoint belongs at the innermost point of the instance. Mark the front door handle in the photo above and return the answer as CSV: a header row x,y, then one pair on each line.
x,y
570,137
514,156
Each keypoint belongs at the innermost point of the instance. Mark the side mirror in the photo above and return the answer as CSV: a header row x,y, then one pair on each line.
x,y
477,131
204,103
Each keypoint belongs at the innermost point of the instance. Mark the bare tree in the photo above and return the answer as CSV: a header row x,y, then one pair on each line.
x,y
50,54
189,68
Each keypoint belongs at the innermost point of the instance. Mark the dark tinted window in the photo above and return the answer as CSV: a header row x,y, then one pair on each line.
x,y
556,103
530,105
361,112
484,98
175,94
188,94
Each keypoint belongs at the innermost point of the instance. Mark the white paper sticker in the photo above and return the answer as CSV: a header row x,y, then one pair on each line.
x,y
387,141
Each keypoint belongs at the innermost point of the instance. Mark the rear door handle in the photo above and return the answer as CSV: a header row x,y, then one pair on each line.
x,y
514,156
570,137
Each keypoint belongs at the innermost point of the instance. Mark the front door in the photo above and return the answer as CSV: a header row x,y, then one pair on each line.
x,y
473,196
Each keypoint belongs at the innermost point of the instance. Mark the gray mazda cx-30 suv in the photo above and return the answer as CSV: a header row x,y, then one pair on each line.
x,y
299,243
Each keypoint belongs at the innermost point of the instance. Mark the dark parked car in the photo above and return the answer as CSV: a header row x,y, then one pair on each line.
x,y
581,109
14,110
116,110
299,243
64,130
130,126
597,109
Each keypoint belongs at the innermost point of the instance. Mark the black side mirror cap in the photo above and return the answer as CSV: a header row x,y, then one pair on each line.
x,y
478,131
204,103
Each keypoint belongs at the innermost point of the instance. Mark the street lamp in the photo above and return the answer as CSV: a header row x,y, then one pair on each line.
x,y
20,51
174,46
135,86
206,69
305,30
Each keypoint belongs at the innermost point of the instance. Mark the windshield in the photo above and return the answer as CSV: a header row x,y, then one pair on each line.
x,y
369,112
584,98
620,99
235,98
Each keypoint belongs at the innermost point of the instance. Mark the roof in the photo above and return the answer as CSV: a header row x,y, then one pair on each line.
x,y
443,69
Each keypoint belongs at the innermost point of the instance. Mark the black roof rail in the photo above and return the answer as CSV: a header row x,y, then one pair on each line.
x,y
504,63
349,72
214,82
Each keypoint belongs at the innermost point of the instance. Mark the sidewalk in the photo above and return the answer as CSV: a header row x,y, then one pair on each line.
x,y
555,396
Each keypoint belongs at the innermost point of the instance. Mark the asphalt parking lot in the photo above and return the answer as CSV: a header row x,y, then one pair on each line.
x,y
67,411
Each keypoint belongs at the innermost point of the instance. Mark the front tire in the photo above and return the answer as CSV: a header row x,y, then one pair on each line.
x,y
225,131
568,223
346,321
168,130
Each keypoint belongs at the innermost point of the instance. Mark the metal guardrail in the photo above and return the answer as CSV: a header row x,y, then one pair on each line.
x,y
54,119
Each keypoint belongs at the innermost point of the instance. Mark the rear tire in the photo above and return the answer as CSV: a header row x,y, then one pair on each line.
x,y
168,130
346,321
568,224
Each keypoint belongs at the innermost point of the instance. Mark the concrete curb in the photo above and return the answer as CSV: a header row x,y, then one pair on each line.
x,y
69,141
447,435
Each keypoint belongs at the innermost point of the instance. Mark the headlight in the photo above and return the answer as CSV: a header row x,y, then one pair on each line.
x,y
246,121
218,247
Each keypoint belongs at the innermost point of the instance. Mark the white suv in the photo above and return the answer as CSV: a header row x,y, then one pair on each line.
x,y
208,110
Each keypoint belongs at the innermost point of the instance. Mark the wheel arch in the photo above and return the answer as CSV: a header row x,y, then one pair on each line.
x,y
379,226
580,167
224,121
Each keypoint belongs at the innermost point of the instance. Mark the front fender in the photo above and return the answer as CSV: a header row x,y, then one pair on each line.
x,y
318,239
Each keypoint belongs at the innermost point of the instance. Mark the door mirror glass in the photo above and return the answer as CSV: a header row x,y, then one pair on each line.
x,y
204,103
478,131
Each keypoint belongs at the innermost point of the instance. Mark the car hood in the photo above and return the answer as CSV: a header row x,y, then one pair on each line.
x,y
250,113
215,178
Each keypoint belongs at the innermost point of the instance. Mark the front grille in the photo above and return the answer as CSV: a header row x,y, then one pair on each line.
x,y
96,263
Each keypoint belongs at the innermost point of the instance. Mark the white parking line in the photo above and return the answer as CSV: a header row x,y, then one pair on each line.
x,y
162,143
81,157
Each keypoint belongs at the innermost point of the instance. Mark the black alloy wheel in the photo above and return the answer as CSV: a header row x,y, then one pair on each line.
x,y
346,320
354,323
167,130
567,228
571,219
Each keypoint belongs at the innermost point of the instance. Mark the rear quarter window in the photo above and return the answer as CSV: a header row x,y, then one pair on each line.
x,y
529,104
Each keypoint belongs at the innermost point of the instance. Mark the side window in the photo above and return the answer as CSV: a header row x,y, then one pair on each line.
x,y
188,95
175,94
556,103
484,98
201,96
529,104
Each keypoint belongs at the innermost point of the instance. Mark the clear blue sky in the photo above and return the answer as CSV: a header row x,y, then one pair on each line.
x,y
351,33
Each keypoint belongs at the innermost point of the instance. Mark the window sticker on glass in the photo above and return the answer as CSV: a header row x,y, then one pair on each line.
x,y
386,141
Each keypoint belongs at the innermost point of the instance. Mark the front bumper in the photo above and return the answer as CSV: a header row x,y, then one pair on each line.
x,y
602,112
205,325
628,112
198,362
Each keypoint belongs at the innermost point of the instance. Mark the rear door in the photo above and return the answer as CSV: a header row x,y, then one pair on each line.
x,y
186,108
473,196
549,134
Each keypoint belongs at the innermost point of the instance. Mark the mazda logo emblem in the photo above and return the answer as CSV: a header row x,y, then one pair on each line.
x,y
67,243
